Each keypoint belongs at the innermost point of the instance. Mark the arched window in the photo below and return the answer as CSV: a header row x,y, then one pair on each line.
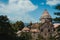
x,y
45,34
41,30
48,30
53,29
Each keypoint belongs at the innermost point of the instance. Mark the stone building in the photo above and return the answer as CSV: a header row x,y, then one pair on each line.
x,y
47,28
35,31
45,17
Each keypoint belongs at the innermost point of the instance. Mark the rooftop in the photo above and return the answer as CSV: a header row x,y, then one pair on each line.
x,y
45,14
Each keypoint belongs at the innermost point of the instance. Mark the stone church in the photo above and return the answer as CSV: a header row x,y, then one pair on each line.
x,y
45,28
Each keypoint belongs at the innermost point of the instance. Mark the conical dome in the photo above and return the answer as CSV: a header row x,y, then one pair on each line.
x,y
45,14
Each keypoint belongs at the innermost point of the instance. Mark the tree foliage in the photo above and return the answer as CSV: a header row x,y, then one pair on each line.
x,y
58,7
20,24
57,19
6,32
25,36
4,24
57,13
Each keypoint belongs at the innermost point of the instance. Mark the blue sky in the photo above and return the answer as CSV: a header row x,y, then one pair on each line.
x,y
27,10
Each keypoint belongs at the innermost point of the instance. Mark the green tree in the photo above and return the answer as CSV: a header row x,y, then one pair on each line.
x,y
25,36
15,27
4,24
4,28
6,32
29,25
57,7
57,19
20,24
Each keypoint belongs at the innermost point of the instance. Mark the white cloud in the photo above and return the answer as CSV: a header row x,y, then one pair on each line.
x,y
53,2
42,3
18,9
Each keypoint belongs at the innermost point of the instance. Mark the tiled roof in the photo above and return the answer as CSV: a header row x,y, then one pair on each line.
x,y
36,25
25,29
56,25
34,30
45,14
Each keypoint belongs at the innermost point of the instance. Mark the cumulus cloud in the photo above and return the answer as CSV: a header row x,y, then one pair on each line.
x,y
53,2
18,9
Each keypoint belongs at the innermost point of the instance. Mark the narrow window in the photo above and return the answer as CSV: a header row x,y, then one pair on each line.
x,y
41,30
48,30
53,29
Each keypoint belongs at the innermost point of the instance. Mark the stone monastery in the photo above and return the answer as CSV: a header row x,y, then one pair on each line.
x,y
45,28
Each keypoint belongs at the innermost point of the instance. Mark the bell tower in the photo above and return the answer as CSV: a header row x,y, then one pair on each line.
x,y
45,17
46,29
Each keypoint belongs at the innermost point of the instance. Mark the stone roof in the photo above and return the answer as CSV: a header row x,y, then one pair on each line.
x,y
56,25
25,29
35,25
34,30
18,32
45,14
